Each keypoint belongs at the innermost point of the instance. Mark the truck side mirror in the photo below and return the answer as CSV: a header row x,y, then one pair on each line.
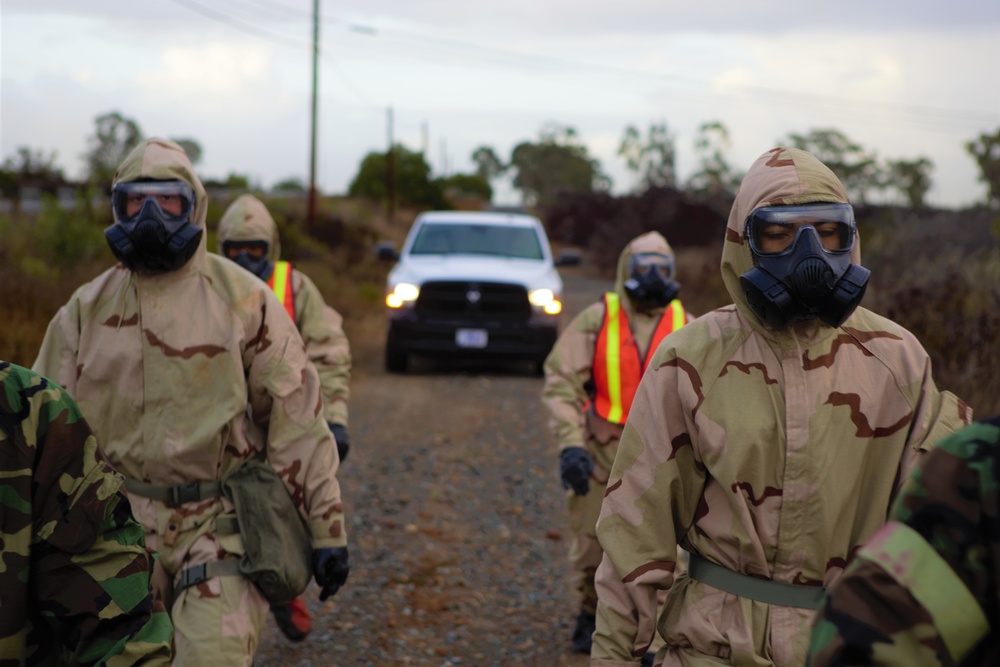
x,y
386,251
568,258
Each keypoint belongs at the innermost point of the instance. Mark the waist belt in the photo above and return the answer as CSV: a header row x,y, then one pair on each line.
x,y
178,494
175,494
747,586
196,574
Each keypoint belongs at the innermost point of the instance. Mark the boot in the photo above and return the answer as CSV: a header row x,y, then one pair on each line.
x,y
294,619
583,633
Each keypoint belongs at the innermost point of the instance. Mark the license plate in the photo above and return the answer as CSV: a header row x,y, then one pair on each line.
x,y
476,338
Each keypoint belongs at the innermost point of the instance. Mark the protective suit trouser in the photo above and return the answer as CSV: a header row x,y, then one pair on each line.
x,y
584,550
218,622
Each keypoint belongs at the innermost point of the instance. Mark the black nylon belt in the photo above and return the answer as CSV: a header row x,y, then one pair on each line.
x,y
198,573
747,586
175,494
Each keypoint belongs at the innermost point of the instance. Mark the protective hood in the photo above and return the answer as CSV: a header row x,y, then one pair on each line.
x,y
780,177
650,242
163,160
247,219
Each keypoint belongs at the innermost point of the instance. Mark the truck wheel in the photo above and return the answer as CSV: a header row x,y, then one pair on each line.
x,y
396,360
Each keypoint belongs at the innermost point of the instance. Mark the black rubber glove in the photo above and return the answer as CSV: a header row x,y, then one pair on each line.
x,y
343,440
330,567
575,466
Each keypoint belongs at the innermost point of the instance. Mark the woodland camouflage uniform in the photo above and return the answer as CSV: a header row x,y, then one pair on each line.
x,y
924,590
566,395
321,327
184,376
74,573
771,453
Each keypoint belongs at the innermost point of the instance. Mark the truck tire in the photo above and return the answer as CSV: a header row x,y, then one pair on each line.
x,y
396,360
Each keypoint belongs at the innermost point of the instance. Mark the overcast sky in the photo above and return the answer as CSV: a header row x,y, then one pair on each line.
x,y
905,78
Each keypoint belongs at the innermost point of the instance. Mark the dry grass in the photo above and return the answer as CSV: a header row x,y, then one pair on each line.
x,y
935,273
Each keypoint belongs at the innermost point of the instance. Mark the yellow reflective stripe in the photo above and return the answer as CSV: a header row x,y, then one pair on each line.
x,y
613,357
280,280
916,566
678,314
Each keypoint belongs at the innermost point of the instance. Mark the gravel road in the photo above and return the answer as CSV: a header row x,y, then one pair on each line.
x,y
456,521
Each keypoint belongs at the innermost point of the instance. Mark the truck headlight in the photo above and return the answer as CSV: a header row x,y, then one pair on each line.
x,y
401,294
545,299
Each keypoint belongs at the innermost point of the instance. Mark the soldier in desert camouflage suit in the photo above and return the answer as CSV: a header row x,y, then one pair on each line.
x,y
187,366
569,393
924,590
770,454
74,574
248,235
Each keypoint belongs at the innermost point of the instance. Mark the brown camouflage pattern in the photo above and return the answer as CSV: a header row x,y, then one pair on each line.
x,y
565,395
74,571
321,327
772,453
186,375
907,616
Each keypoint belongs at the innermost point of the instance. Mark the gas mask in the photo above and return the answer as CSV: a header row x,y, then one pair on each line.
x,y
251,255
802,264
153,232
650,284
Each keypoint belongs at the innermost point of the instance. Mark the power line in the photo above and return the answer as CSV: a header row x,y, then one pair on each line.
x,y
921,114
239,24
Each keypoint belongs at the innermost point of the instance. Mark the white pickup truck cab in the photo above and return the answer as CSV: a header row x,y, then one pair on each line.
x,y
473,285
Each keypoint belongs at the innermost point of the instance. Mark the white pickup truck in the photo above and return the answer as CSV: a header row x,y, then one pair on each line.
x,y
473,285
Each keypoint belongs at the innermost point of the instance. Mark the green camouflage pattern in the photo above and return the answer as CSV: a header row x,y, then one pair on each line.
x,y
321,327
566,392
773,453
74,571
184,376
936,601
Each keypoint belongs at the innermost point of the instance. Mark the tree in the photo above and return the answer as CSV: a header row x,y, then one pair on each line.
x,y
293,184
114,137
557,163
912,178
651,159
191,147
412,178
488,163
29,167
985,150
715,176
465,185
854,166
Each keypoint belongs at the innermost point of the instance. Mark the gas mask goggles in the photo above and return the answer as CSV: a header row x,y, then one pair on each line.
x,y
802,264
153,232
251,255
650,284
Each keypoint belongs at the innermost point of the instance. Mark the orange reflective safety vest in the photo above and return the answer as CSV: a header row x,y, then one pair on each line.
x,y
281,283
618,366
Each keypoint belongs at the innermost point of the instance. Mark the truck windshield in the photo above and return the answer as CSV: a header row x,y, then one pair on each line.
x,y
473,239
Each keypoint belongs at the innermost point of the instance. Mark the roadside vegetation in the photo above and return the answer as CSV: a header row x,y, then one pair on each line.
x,y
936,272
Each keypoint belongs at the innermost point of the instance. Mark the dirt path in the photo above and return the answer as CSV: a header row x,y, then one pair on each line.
x,y
456,521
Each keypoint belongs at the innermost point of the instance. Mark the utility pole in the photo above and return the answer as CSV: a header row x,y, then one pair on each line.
x,y
390,168
311,213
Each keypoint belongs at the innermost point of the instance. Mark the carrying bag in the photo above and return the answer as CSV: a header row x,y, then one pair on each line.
x,y
278,545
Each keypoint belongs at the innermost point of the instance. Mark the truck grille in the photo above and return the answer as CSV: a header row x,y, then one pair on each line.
x,y
476,300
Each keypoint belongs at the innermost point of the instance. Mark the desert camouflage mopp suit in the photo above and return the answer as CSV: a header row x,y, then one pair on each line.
x,y
925,589
184,376
568,372
771,453
321,327
74,574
